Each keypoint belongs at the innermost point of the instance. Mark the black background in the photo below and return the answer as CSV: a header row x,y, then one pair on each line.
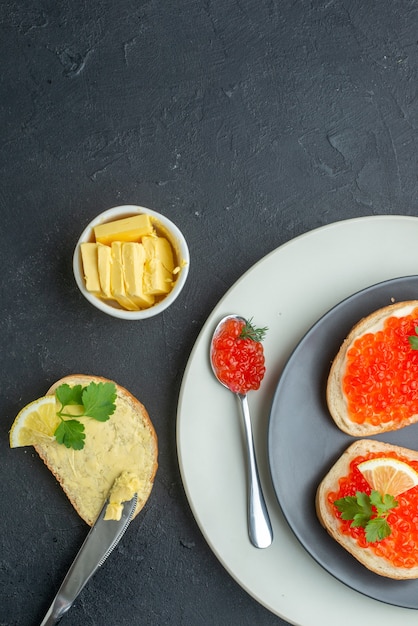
x,y
246,123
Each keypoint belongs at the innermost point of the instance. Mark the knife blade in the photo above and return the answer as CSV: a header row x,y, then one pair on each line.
x,y
102,538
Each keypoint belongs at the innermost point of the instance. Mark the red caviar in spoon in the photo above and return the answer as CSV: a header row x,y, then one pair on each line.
x,y
238,355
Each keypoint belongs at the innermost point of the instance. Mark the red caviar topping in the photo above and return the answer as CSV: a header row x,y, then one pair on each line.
x,y
401,547
381,376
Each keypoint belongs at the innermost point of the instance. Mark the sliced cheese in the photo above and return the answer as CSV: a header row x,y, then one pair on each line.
x,y
90,268
126,229
159,265
133,259
117,280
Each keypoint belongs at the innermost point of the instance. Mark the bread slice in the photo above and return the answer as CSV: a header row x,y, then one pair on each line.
x,y
326,514
336,400
127,442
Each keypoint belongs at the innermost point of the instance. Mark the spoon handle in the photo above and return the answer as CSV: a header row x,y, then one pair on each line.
x,y
259,525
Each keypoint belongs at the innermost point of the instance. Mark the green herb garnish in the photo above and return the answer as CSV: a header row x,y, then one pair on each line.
x,y
413,340
369,512
97,401
255,334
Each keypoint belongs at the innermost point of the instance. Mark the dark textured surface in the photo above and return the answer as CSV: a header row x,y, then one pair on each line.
x,y
247,123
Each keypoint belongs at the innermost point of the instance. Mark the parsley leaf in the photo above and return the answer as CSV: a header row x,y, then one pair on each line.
x,y
71,434
368,512
355,508
384,503
96,401
413,340
377,529
69,395
99,401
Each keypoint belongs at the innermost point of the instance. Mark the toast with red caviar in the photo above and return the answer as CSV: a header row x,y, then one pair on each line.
x,y
345,492
373,381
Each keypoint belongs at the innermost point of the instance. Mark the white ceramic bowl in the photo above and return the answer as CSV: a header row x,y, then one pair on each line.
x,y
169,230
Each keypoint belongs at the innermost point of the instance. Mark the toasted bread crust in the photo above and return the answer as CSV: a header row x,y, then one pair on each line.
x,y
138,413
336,400
326,515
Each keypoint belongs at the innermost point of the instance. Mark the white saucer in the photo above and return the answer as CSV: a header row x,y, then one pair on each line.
x,y
288,291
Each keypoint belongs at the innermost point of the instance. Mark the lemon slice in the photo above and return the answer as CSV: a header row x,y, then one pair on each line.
x,y
388,475
35,423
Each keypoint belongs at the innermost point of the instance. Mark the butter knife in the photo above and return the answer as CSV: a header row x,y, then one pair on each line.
x,y
102,538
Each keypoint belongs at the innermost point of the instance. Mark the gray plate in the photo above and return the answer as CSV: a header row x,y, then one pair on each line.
x,y
303,441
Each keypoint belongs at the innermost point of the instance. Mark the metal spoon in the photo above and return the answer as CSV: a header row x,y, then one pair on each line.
x,y
259,526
